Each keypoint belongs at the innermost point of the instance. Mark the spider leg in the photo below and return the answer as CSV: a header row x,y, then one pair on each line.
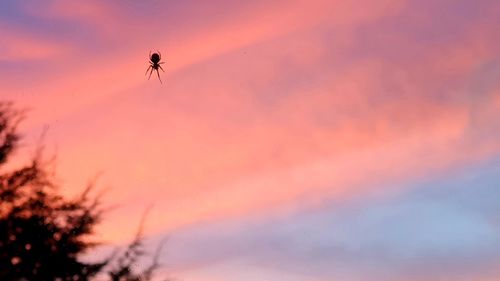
x,y
157,72
151,72
161,68
147,70
159,53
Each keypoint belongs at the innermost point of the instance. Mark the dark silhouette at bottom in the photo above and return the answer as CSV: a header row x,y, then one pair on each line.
x,y
42,234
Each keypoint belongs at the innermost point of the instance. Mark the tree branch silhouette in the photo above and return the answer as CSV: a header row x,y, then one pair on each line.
x,y
43,234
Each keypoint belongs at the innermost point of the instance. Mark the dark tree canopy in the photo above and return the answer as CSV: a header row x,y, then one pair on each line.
x,y
42,234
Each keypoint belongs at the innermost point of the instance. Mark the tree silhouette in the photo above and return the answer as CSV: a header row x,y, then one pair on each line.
x,y
42,234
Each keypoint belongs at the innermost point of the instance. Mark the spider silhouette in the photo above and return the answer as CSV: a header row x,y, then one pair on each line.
x,y
154,60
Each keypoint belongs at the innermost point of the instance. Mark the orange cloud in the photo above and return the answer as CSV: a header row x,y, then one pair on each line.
x,y
270,163
19,45
200,165
72,91
209,144
94,14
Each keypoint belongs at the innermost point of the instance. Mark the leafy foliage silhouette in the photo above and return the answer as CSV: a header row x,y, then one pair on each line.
x,y
42,234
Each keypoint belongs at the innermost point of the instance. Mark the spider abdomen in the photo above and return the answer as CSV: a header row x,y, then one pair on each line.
x,y
155,58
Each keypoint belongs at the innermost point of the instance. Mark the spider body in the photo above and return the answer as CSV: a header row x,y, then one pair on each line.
x,y
155,64
155,58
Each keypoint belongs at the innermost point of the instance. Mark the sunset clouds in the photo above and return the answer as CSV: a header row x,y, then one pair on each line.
x,y
271,115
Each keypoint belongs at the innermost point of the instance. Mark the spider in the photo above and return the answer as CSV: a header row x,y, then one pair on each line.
x,y
154,60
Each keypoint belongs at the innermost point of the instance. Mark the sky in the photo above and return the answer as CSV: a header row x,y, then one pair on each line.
x,y
290,140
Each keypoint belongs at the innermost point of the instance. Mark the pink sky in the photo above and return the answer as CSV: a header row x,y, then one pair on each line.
x,y
267,108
